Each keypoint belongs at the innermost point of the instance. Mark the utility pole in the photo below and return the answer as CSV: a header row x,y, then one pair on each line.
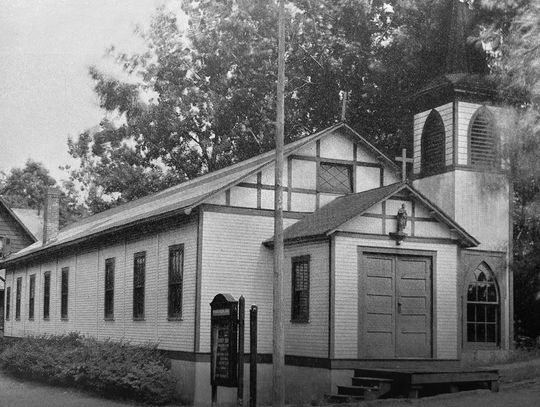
x,y
278,353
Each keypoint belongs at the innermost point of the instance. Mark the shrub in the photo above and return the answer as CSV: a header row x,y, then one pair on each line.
x,y
110,368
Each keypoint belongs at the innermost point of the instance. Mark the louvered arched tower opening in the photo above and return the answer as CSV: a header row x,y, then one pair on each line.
x,y
433,145
482,142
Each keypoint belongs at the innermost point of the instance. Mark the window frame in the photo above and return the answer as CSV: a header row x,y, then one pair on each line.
x,y
138,286
31,297
175,314
323,189
297,314
108,292
483,266
8,302
433,118
64,293
46,295
18,299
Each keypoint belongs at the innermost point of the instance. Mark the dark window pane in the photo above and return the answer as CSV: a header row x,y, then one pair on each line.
x,y
138,284
18,298
471,315
471,333
480,333
300,289
482,292
492,293
46,294
336,178
109,288
471,292
491,333
8,302
176,274
31,296
64,293
491,313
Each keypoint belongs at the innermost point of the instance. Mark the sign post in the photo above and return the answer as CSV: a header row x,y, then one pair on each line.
x,y
223,343
253,356
240,393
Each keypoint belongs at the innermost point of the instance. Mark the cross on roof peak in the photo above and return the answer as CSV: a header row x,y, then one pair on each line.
x,y
404,161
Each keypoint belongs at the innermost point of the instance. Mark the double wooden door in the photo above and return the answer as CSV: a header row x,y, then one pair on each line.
x,y
395,306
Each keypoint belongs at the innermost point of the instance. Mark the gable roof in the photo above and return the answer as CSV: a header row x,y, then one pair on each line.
x,y
32,221
331,216
182,198
25,221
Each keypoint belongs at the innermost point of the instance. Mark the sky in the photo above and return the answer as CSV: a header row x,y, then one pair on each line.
x,y
46,94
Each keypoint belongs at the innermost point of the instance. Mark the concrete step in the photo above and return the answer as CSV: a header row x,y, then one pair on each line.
x,y
341,398
370,381
367,392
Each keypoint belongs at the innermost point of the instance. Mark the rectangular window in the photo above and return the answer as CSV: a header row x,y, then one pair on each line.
x,y
335,178
64,293
139,270
8,302
109,288
46,294
31,296
176,276
18,299
300,289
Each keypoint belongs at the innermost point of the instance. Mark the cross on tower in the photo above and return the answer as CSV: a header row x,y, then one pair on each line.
x,y
404,161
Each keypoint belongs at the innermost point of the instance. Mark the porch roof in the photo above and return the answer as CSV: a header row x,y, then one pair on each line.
x,y
328,218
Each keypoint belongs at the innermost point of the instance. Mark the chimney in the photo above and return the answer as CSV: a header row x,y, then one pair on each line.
x,y
51,215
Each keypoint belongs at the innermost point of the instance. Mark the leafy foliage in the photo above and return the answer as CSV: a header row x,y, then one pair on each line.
x,y
114,369
202,97
27,188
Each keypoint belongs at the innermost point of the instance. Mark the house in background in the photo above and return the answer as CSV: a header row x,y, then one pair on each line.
x,y
19,228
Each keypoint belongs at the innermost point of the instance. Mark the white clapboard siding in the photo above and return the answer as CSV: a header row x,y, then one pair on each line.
x,y
441,190
235,261
308,339
482,199
337,146
86,292
465,112
346,297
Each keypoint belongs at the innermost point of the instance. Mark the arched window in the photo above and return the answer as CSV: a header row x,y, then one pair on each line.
x,y
483,307
433,144
482,145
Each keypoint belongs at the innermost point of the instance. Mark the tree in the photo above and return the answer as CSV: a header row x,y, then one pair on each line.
x,y
515,57
27,188
203,97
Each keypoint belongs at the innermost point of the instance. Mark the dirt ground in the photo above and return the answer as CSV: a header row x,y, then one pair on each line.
x,y
521,394
17,393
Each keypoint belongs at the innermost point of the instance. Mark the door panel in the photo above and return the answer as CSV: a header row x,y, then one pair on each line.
x,y
379,306
413,291
397,306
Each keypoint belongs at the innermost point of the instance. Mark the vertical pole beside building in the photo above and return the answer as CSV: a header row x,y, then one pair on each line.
x,y
278,355
253,356
240,392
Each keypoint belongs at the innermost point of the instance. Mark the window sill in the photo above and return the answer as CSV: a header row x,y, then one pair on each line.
x,y
109,319
138,319
46,319
17,319
175,319
299,321
64,319
30,319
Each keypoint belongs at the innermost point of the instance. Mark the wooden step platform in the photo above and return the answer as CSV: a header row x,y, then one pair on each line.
x,y
370,384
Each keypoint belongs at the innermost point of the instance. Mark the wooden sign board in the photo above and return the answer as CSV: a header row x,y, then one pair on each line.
x,y
224,341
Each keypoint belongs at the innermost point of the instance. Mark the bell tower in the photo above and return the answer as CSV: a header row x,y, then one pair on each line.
x,y
457,163
458,140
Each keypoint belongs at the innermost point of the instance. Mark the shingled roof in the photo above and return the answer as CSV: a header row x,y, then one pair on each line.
x,y
180,199
331,216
